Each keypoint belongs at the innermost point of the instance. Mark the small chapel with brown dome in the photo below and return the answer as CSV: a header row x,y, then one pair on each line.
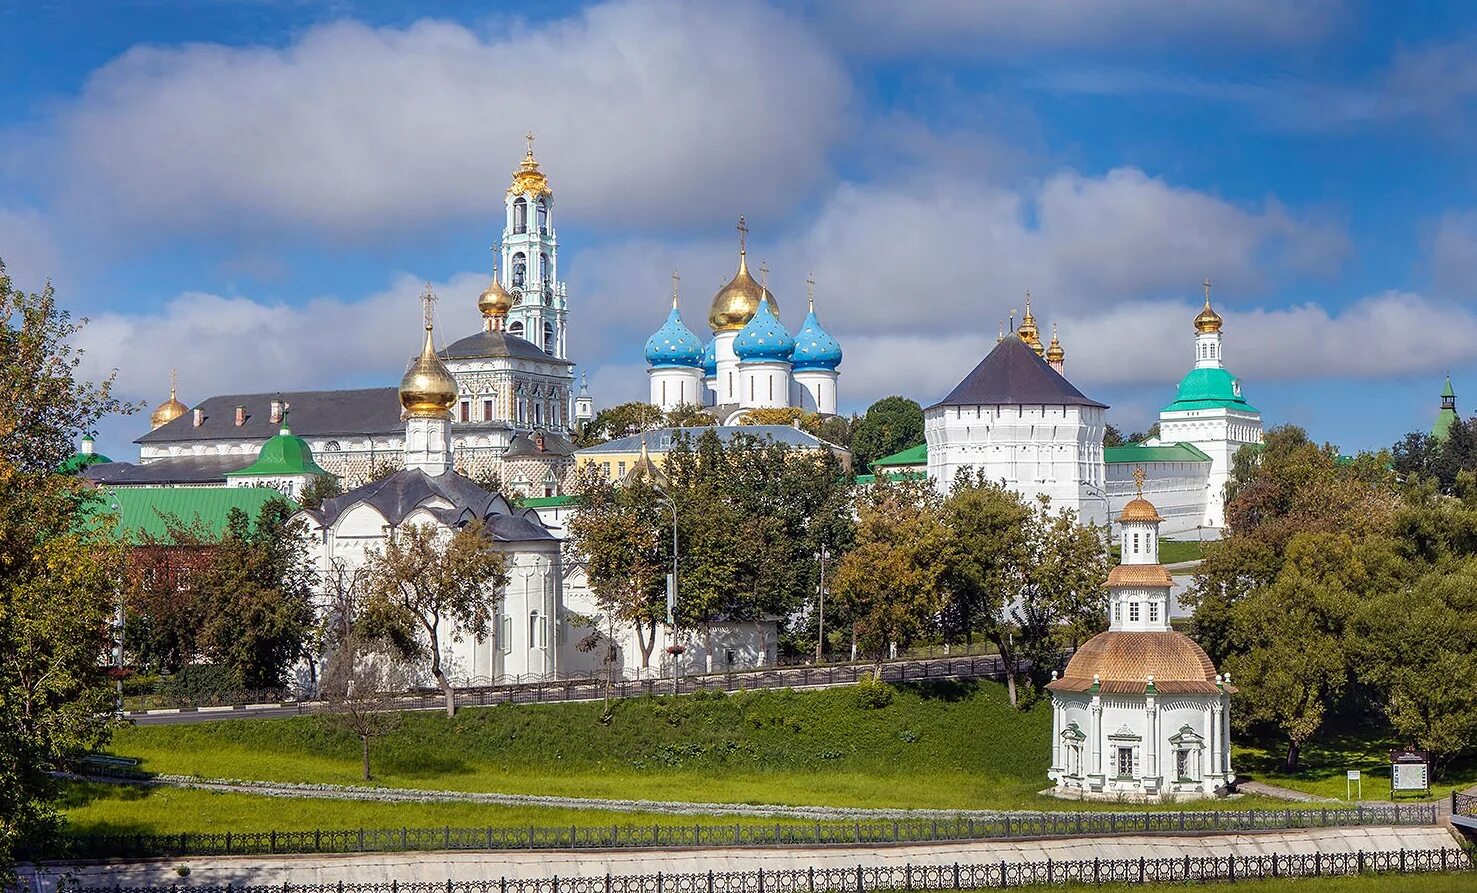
x,y
1140,713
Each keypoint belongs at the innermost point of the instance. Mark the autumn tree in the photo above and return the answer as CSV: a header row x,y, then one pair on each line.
x,y
890,584
689,415
424,587
59,574
779,415
618,421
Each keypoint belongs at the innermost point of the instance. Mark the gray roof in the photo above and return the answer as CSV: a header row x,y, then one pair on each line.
x,y
312,414
499,344
1012,375
174,470
401,493
660,439
523,446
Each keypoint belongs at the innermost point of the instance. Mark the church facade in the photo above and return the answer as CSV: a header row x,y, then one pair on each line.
x,y
516,401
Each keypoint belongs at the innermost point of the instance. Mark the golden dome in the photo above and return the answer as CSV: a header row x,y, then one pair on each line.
x,y
528,178
1124,661
1054,353
170,409
1208,321
428,390
1140,509
494,300
738,301
1028,331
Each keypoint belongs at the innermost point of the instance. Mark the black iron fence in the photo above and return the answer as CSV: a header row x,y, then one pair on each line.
x,y
739,834
1463,804
860,878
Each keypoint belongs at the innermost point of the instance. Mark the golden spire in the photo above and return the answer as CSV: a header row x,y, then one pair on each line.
x,y
528,179
428,390
494,302
170,409
1028,331
1208,321
736,302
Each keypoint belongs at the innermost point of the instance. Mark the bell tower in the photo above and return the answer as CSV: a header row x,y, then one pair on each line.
x,y
530,265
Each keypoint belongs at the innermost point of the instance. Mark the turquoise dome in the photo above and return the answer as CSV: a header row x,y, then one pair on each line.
x,y
814,347
764,338
1209,388
673,344
710,359
285,454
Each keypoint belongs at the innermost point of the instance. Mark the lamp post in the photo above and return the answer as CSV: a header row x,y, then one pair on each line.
x,y
674,649
820,635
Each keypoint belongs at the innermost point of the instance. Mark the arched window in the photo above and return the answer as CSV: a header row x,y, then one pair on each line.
x,y
543,268
534,627
516,328
543,217
520,268
332,446
520,216
549,340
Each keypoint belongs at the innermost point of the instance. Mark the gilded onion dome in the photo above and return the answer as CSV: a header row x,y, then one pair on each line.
x,y
1054,351
764,338
494,302
170,409
1028,331
1208,320
428,389
735,303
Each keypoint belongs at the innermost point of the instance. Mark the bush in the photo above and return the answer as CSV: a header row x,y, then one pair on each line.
x,y
872,693
199,684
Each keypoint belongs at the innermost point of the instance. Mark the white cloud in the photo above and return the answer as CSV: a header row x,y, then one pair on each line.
x,y
28,249
1454,254
648,112
1012,27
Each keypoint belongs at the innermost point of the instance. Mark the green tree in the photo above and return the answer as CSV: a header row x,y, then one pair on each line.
x,y
60,575
830,428
890,425
423,584
1112,437
890,585
618,421
322,487
258,588
689,415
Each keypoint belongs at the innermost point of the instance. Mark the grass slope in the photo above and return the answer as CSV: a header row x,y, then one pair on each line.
x,y
949,745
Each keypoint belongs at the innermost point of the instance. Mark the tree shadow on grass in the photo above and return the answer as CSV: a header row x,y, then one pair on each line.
x,y
947,690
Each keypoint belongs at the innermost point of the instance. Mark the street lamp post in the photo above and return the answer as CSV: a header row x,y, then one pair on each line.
x,y
675,650
820,636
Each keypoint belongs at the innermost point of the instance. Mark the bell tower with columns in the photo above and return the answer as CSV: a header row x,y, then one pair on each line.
x,y
530,260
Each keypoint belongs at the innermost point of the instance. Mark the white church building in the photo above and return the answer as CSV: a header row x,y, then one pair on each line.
x,y
1140,713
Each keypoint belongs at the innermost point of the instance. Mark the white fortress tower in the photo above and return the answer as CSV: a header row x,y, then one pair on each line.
x,y
1210,412
530,261
1024,425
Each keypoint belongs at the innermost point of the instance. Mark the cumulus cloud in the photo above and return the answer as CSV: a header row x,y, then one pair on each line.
x,y
1011,27
1454,254
28,248
648,112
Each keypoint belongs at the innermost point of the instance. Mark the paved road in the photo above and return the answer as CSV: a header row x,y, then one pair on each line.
x,y
463,866
966,667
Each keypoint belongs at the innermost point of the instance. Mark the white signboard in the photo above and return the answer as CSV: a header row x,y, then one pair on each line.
x,y
1410,776
1353,775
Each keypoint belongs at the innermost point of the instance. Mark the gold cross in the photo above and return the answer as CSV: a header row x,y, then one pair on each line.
x,y
743,231
428,304
810,290
173,381
764,274
529,136
675,280
1138,480
1206,283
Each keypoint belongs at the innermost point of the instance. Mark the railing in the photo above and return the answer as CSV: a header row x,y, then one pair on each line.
x,y
1184,869
699,834
1463,804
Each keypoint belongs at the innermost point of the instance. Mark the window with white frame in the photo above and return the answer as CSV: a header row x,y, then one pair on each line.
x,y
1133,612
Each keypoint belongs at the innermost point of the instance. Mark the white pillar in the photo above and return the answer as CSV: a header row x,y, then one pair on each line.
x,y
1097,735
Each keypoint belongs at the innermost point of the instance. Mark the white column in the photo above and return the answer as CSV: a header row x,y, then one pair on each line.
x,y
1097,735
1056,735
1151,758
1215,740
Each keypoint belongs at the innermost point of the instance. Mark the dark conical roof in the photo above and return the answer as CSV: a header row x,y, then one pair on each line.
x,y
1012,375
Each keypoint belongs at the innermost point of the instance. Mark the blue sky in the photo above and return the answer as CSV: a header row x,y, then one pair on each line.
x,y
254,191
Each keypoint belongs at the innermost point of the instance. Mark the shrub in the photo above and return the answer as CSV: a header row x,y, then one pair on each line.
x,y
872,693
196,684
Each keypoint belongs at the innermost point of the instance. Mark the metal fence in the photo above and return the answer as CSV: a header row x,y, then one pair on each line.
x,y
1186,869
1463,804
700,834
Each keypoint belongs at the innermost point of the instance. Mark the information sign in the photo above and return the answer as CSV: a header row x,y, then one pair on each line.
x,y
1410,770
1353,781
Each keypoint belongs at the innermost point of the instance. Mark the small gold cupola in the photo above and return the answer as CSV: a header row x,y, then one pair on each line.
x,y
170,409
1208,320
1028,331
494,302
428,389
528,179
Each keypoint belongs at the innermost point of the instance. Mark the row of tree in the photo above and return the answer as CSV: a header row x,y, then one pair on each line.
x,y
1344,590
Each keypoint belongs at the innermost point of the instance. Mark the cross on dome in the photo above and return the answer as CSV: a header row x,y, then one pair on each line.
x,y
676,279
743,231
1138,480
810,290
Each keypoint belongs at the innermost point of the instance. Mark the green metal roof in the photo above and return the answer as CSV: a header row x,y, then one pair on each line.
x,y
283,455
544,502
1209,389
1165,452
143,510
917,455
1447,416
74,463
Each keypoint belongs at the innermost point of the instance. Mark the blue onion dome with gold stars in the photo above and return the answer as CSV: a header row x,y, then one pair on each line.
x,y
814,347
674,344
710,358
764,338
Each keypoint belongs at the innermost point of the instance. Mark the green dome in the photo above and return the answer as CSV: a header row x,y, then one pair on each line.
x,y
75,463
285,454
1209,389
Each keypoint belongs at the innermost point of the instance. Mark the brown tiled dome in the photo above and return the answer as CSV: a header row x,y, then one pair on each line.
x,y
1140,509
1122,661
1138,575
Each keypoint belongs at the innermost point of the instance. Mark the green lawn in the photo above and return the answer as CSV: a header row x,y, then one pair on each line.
x,y
1171,551
1324,762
